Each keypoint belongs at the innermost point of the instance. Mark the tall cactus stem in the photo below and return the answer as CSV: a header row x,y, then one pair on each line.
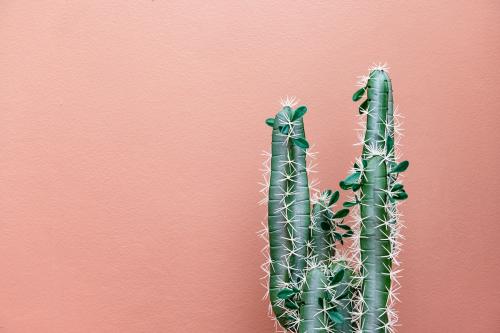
x,y
300,209
374,239
278,218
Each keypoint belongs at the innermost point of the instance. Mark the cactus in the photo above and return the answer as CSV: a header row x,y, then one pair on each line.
x,y
304,287
314,284
375,177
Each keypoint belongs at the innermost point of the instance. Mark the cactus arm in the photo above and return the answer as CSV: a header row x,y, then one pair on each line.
x,y
321,237
300,209
374,241
279,244
341,298
313,317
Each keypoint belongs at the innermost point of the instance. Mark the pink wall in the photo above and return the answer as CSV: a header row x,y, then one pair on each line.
x,y
131,134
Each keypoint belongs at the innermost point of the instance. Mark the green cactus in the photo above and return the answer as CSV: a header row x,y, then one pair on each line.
x,y
375,176
301,250
312,287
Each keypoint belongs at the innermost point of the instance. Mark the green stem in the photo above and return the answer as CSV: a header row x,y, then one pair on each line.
x,y
374,241
322,240
279,244
313,318
300,209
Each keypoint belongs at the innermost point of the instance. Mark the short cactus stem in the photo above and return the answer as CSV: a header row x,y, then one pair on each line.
x,y
313,317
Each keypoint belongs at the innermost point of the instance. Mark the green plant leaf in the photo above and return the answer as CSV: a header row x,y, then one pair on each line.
x,y
344,226
349,204
348,234
400,196
286,293
337,236
401,167
284,129
337,277
299,113
358,94
341,213
334,198
353,178
335,316
350,181
356,187
301,142
291,304
396,187
364,107
389,144
325,226
270,122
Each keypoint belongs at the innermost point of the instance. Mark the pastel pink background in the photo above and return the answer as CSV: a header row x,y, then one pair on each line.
x,y
131,134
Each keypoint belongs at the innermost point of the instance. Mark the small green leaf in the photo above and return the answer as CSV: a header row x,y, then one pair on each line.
x,y
284,129
337,277
300,142
270,122
348,234
400,195
337,236
325,226
291,304
349,204
344,226
353,178
286,293
341,213
334,198
364,107
358,94
356,187
396,187
343,185
350,180
336,316
389,144
400,167
299,113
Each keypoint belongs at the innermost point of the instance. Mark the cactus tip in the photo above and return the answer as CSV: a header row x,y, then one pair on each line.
x,y
290,101
379,67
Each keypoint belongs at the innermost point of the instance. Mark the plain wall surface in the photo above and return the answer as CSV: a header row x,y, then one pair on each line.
x,y
130,141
